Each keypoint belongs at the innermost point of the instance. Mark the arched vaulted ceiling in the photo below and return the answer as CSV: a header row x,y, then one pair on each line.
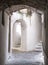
x,y
34,3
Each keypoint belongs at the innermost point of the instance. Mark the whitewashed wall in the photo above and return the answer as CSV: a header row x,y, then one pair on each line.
x,y
34,31
6,34
3,39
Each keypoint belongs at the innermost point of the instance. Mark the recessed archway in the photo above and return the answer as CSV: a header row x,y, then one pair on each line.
x,y
22,27
10,10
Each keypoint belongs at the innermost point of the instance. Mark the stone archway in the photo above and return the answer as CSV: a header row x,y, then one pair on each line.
x,y
23,28
17,9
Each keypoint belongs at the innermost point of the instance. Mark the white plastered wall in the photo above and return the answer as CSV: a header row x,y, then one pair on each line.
x,y
6,19
3,39
23,31
34,32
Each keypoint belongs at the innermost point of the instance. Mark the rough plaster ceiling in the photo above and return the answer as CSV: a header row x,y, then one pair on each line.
x,y
16,8
7,3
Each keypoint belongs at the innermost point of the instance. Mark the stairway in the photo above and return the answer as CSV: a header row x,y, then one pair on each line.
x,y
38,47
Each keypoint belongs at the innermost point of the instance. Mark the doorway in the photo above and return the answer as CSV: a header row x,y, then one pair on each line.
x,y
16,35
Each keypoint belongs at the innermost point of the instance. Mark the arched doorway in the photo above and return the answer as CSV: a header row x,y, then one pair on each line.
x,y
19,25
26,7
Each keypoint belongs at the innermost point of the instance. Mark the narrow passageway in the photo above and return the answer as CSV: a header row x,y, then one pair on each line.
x,y
25,37
24,32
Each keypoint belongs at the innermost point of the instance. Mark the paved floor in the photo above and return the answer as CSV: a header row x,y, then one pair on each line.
x,y
27,58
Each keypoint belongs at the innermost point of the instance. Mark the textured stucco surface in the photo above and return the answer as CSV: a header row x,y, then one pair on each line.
x,y
39,4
